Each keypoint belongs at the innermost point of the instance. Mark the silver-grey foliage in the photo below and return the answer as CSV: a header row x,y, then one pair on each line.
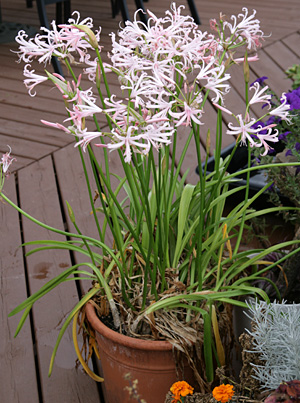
x,y
276,334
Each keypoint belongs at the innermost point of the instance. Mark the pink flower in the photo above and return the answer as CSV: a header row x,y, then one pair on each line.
x,y
160,104
6,161
56,42
189,113
127,140
57,126
249,59
158,134
116,108
86,137
247,29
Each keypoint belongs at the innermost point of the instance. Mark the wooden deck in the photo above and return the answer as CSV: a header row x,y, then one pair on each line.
x,y
48,172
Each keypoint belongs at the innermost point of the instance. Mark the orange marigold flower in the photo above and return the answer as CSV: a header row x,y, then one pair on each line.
x,y
223,393
179,389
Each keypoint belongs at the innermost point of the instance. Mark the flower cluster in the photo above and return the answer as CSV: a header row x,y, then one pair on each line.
x,y
286,181
289,102
223,393
168,57
60,42
180,389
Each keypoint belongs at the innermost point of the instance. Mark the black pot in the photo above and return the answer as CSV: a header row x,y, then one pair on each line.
x,y
258,178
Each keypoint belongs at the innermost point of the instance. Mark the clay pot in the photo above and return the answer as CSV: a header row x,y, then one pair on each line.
x,y
151,363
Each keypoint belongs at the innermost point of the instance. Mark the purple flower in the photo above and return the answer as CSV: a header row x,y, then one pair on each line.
x,y
297,147
289,152
283,136
271,120
257,125
293,99
260,80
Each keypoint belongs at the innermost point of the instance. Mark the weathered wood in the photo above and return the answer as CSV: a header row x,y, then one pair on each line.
x,y
282,56
34,153
71,180
17,370
277,80
66,384
293,43
20,162
40,134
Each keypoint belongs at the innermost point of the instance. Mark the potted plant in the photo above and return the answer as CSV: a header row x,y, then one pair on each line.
x,y
275,334
172,271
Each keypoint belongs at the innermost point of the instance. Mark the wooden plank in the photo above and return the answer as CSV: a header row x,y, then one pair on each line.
x,y
66,384
27,115
39,104
20,162
282,55
17,110
293,43
40,134
279,17
17,370
73,187
277,80
25,148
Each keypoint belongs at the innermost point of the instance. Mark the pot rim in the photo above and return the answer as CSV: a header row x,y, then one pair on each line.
x,y
131,342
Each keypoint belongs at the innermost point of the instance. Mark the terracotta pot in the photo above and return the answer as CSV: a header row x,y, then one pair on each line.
x,y
150,362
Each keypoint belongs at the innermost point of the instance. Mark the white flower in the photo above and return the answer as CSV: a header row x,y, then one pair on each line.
x,y
6,161
217,83
283,110
158,134
189,113
253,135
259,95
270,136
32,79
244,129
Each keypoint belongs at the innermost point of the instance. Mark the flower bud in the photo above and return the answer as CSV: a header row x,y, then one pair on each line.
x,y
98,76
71,213
246,69
92,37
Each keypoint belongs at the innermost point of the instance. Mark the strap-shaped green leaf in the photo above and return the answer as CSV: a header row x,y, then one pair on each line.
x,y
185,201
